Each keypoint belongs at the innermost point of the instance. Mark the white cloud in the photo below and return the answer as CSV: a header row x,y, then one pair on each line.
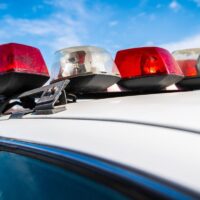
x,y
49,31
174,5
190,42
149,43
197,2
113,23
67,26
3,6
72,23
141,14
37,8
77,6
152,17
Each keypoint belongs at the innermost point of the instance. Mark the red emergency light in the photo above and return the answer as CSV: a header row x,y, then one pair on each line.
x,y
147,68
189,62
188,67
22,68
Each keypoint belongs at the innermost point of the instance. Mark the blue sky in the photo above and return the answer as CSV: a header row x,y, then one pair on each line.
x,y
112,24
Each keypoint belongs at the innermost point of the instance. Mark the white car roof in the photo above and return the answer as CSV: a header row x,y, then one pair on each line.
x,y
176,110
103,128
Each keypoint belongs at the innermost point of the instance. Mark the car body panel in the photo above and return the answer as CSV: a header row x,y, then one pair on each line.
x,y
166,153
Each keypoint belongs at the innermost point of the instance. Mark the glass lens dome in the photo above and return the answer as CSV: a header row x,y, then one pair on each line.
x,y
77,61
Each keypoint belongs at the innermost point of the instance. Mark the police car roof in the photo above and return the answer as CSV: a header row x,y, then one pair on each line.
x,y
178,110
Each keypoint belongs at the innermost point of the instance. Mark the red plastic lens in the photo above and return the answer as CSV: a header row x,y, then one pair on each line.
x,y
22,58
146,61
151,65
189,61
189,67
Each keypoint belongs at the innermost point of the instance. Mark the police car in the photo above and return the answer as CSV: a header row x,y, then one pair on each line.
x,y
80,137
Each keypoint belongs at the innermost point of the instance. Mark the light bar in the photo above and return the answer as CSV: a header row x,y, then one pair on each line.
x,y
22,68
88,68
189,62
147,68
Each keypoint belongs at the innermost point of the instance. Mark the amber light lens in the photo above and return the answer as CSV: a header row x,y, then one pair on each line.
x,y
146,61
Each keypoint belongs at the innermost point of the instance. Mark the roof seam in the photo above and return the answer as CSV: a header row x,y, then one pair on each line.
x,y
122,121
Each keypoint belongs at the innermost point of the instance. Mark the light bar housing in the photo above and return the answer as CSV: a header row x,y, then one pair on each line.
x,y
147,68
22,68
88,68
189,62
